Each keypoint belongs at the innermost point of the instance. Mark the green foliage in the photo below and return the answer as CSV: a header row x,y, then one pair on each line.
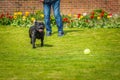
x,y
20,21
5,19
96,19
26,19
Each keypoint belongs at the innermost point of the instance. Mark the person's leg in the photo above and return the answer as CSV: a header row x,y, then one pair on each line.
x,y
56,10
47,9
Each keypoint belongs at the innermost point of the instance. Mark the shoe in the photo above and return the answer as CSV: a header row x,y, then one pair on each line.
x,y
48,33
60,33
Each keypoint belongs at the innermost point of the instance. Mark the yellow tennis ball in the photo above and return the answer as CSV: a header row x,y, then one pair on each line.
x,y
87,51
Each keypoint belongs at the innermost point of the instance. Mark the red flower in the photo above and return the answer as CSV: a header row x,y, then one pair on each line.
x,y
103,12
110,15
65,20
7,14
2,15
92,16
10,17
78,16
93,13
102,15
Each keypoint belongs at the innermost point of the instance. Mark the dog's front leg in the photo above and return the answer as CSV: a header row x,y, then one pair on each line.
x,y
42,41
33,40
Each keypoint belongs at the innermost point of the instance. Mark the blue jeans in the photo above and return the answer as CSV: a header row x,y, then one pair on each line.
x,y
56,9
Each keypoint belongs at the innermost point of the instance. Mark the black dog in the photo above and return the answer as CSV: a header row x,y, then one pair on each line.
x,y
37,32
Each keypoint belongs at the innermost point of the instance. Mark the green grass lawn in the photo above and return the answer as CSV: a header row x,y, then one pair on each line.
x,y
61,58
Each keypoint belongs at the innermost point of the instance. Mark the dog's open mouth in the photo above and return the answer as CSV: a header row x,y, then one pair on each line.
x,y
40,30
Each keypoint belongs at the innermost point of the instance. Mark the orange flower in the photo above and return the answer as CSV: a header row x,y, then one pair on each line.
x,y
14,16
27,13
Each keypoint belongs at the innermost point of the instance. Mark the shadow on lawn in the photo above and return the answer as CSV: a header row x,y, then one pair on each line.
x,y
45,45
68,31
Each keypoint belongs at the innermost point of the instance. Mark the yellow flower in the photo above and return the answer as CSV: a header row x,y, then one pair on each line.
x,y
24,18
32,19
81,17
15,13
27,13
75,16
14,16
42,15
69,15
108,16
98,17
19,13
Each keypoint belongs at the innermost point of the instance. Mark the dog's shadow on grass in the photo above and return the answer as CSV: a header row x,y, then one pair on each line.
x,y
45,45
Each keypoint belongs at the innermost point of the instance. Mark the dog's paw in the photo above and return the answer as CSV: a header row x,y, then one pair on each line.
x,y
34,47
42,45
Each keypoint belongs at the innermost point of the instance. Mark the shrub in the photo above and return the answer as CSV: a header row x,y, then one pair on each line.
x,y
5,19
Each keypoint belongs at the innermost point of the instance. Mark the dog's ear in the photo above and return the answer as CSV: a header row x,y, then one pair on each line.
x,y
35,23
43,24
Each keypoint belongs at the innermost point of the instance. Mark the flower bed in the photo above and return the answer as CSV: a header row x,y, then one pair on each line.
x,y
96,19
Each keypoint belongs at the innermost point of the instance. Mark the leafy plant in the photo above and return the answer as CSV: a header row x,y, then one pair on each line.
x,y
96,19
5,19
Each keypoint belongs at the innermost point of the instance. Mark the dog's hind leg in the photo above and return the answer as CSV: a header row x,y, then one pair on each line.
x,y
33,43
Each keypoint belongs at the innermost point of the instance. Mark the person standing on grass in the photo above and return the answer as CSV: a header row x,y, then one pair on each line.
x,y
55,4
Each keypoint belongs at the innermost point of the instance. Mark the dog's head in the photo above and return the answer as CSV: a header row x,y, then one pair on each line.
x,y
39,26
